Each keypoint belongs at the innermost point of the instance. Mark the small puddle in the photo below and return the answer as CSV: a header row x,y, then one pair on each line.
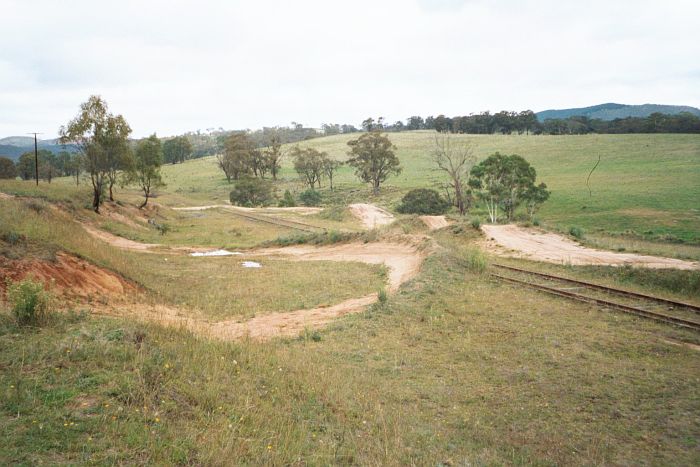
x,y
215,253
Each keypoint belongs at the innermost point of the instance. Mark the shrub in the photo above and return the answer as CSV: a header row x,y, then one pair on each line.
x,y
251,192
13,238
29,301
576,232
475,260
476,223
163,228
536,222
288,200
310,198
423,201
382,297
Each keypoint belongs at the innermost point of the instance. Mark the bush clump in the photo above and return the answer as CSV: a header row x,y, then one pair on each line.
x,y
423,201
29,301
287,200
576,232
476,223
310,198
251,192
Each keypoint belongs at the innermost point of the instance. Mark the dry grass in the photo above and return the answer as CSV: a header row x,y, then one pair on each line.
x,y
454,369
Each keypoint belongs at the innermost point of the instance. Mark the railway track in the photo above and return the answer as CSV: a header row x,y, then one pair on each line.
x,y
647,306
278,222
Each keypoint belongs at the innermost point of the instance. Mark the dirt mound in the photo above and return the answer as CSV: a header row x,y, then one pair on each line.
x,y
434,222
512,240
371,215
68,276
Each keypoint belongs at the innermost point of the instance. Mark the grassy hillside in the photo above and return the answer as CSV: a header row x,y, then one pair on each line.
x,y
645,185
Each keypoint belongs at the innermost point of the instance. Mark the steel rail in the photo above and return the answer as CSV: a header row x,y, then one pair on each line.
x,y
591,285
278,222
587,299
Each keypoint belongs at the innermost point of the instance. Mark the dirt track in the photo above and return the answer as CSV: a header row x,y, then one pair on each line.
x,y
371,215
116,241
515,241
402,260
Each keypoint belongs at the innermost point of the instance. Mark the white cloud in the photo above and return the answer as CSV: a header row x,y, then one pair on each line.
x,y
171,66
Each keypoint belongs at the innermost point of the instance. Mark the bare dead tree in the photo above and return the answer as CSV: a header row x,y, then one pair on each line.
x,y
455,159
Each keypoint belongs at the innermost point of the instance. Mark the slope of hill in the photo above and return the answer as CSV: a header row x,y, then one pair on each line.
x,y
611,111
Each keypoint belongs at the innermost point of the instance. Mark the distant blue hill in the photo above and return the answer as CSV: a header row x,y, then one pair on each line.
x,y
15,146
611,111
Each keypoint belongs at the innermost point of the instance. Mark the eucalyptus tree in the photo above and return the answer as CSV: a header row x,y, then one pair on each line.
x,y
374,159
144,166
177,149
101,138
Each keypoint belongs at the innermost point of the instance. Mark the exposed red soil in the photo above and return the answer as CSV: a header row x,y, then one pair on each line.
x,y
69,277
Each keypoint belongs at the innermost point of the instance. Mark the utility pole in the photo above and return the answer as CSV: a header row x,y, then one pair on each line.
x,y
36,158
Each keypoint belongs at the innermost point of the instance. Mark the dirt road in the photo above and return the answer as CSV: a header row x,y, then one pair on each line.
x,y
515,241
371,215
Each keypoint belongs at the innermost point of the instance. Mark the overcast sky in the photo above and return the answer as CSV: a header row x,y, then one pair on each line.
x,y
173,66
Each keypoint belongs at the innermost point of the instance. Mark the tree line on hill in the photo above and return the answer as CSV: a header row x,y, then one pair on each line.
x,y
526,122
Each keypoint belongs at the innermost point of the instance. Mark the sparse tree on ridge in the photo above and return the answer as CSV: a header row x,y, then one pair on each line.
x,y
273,156
117,151
368,124
373,157
456,160
90,132
309,164
177,149
47,166
236,159
258,163
144,166
330,166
